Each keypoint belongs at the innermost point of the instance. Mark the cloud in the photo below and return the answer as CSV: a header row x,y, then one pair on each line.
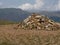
x,y
39,4
42,5
27,6
1,3
51,8
54,6
58,5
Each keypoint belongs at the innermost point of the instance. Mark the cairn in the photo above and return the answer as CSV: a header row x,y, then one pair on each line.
x,y
39,22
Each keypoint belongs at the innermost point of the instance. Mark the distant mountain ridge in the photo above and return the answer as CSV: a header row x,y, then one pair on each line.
x,y
48,13
54,15
13,14
17,15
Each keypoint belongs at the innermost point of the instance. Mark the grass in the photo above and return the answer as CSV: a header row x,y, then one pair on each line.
x,y
11,36
30,38
7,22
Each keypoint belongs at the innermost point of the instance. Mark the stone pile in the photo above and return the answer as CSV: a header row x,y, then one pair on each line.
x,y
39,22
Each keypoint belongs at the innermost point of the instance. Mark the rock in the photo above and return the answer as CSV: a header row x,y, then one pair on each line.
x,y
39,22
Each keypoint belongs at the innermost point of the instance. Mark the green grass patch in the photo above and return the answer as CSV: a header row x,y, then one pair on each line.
x,y
7,22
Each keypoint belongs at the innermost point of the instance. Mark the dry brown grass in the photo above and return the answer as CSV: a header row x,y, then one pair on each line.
x,y
11,36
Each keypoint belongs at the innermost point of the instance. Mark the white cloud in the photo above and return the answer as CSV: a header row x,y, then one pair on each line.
x,y
27,6
0,3
40,5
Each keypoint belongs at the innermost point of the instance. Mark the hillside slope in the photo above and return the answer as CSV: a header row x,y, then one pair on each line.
x,y
13,14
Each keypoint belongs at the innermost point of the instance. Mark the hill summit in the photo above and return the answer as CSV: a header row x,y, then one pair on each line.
x,y
39,22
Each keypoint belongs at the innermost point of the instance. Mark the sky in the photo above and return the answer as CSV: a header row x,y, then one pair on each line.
x,y
48,5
